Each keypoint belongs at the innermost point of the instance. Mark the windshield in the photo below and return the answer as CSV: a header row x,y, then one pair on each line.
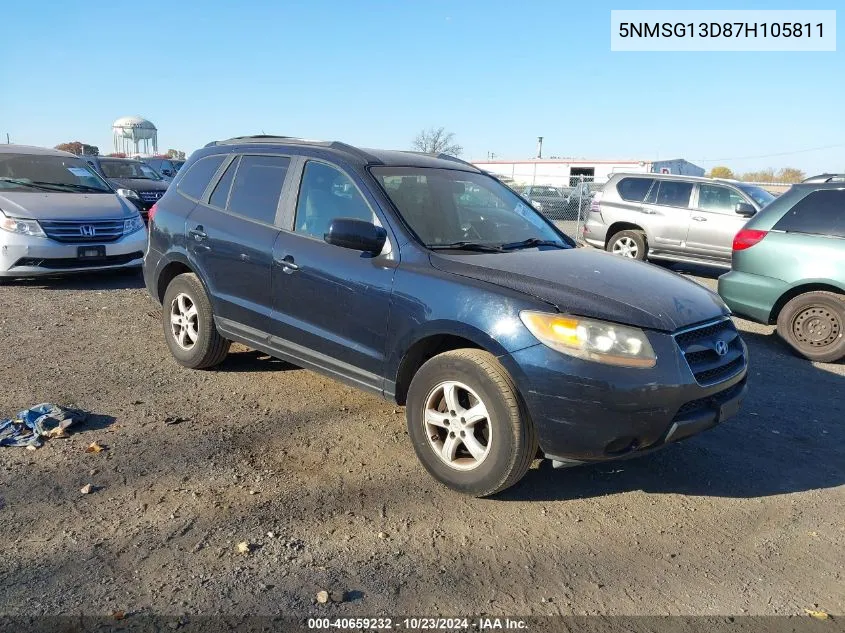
x,y
37,172
759,195
128,169
447,208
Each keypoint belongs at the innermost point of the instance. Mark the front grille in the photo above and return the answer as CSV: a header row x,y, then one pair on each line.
x,y
83,231
699,347
62,263
150,196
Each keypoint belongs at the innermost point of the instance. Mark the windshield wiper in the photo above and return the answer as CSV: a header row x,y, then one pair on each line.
x,y
70,185
466,246
531,242
25,183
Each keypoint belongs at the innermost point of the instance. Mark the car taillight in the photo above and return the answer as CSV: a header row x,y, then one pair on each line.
x,y
594,203
747,238
152,212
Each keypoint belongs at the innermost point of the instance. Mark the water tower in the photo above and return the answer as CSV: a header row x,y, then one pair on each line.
x,y
134,135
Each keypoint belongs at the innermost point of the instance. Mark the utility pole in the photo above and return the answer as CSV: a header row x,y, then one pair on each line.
x,y
8,142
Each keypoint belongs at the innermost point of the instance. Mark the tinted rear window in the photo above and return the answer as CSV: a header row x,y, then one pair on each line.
x,y
196,179
257,187
674,193
820,213
634,189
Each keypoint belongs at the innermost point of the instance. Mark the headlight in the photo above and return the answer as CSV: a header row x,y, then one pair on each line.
x,y
133,224
537,205
21,227
590,339
128,193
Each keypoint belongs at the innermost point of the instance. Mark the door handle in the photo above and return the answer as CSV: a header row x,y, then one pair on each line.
x,y
649,211
287,264
699,218
198,233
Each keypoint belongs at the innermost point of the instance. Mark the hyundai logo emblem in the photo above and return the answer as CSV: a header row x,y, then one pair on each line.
x,y
87,230
721,348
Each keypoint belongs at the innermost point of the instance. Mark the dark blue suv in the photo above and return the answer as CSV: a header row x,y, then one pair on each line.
x,y
428,282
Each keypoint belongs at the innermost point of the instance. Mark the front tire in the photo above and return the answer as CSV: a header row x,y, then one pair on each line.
x,y
188,323
630,244
467,423
813,324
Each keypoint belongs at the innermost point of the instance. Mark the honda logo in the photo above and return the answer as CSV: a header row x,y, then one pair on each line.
x,y
721,348
88,230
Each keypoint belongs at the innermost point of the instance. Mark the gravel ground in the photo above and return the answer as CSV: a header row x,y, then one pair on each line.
x,y
323,485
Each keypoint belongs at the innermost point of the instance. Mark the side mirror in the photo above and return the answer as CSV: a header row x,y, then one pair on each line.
x,y
356,235
744,209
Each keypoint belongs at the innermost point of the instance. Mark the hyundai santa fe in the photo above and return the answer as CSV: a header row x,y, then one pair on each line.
x,y
429,283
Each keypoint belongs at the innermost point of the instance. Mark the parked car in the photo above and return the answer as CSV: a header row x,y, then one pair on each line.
x,y
675,218
475,312
59,216
825,178
163,166
580,197
789,270
550,200
136,181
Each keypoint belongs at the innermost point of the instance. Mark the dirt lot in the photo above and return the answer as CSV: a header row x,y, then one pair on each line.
x,y
322,482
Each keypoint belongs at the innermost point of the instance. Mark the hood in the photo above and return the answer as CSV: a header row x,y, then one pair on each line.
x,y
594,284
64,206
138,184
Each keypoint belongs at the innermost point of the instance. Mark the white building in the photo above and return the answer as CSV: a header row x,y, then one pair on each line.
x,y
568,172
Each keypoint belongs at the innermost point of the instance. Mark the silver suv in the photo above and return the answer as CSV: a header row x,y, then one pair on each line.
x,y
676,218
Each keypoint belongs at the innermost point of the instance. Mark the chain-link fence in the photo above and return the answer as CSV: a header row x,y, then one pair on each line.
x,y
567,204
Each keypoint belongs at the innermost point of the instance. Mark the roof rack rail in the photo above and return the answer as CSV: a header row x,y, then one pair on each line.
x,y
293,140
443,156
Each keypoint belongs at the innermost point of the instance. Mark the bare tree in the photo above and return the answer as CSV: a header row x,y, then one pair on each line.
x,y
437,141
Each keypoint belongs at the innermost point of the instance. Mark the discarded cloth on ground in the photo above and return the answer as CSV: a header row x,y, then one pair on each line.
x,y
42,421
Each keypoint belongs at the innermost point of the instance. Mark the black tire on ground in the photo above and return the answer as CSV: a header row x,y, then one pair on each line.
x,y
813,324
508,432
209,349
631,241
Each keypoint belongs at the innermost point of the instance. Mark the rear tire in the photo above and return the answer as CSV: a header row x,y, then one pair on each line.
x,y
467,423
628,243
813,324
188,322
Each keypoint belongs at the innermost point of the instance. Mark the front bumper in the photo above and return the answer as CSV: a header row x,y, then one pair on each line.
x,y
586,412
751,296
25,256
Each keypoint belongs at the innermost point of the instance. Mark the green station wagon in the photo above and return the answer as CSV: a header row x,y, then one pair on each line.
x,y
789,269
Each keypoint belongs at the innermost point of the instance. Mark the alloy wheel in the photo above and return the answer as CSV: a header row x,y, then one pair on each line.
x,y
625,247
457,425
183,321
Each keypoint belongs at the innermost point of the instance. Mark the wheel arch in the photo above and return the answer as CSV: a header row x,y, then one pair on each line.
x,y
804,287
622,225
436,342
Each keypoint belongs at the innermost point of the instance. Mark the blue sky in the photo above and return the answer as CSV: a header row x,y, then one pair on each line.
x,y
497,74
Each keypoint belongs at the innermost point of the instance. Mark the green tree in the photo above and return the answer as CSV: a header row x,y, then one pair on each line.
x,y
78,148
722,172
175,154
437,141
